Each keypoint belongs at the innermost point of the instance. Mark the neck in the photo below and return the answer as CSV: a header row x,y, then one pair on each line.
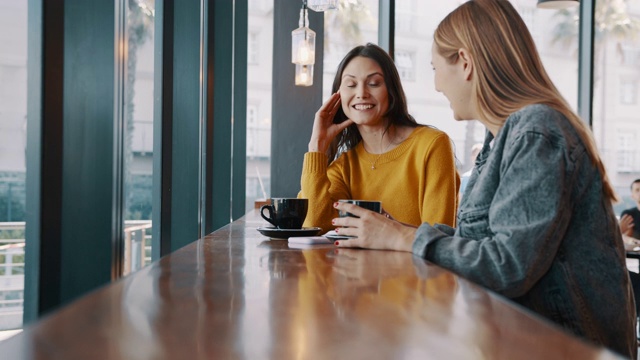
x,y
493,125
377,140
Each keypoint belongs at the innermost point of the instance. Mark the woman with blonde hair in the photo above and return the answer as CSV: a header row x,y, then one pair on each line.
x,y
536,223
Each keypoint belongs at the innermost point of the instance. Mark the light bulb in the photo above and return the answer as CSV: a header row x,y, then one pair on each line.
x,y
303,42
304,75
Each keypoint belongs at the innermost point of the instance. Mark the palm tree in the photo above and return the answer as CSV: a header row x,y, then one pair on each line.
x,y
613,26
140,19
612,22
348,18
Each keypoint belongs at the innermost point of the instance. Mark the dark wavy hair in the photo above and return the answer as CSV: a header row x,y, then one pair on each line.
x,y
397,114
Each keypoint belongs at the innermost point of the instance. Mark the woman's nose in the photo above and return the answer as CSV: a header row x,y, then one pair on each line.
x,y
361,92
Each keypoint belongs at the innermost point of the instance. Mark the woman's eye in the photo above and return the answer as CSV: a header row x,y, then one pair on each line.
x,y
374,84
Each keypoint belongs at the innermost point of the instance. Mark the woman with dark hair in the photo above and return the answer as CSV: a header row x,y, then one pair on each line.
x,y
366,146
536,223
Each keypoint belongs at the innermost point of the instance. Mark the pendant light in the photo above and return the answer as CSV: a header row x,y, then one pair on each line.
x,y
557,4
322,5
303,40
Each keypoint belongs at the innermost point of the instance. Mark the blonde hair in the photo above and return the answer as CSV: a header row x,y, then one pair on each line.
x,y
508,69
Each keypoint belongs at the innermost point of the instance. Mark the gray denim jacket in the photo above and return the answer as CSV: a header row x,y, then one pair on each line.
x,y
534,226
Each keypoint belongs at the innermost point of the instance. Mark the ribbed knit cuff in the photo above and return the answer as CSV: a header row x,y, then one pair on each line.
x,y
314,162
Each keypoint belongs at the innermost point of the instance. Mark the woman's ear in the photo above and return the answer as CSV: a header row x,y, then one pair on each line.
x,y
466,61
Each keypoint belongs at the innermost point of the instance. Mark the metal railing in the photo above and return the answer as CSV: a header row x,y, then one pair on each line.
x,y
137,245
137,255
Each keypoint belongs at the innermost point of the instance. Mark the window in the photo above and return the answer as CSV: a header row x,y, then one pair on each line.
x,y
253,48
13,113
431,107
630,54
261,7
530,16
405,64
627,154
616,126
259,81
355,24
138,169
628,91
404,16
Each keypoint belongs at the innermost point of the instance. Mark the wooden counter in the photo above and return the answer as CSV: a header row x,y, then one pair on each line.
x,y
238,295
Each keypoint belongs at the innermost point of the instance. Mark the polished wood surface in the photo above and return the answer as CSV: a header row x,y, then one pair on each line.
x,y
238,295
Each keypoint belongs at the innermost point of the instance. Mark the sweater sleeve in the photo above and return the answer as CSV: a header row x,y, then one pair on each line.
x,y
322,184
440,194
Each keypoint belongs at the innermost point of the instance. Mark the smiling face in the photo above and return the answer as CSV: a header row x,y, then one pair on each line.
x,y
363,92
453,81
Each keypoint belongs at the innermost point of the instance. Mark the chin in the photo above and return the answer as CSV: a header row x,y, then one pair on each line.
x,y
358,120
459,117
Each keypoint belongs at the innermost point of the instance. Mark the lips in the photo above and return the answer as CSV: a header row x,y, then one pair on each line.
x,y
363,106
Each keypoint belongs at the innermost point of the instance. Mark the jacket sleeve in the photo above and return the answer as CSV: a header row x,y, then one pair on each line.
x,y
525,218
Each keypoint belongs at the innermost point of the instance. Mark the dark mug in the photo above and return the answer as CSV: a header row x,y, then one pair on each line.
x,y
375,206
286,213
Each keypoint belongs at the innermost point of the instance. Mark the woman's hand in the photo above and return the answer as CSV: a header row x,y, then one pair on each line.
x,y
324,130
373,230
626,225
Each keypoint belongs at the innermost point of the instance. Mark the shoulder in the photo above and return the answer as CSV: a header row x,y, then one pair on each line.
x,y
425,131
430,139
536,117
631,211
427,137
543,122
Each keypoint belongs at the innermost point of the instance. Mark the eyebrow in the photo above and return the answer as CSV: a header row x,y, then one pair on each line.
x,y
368,76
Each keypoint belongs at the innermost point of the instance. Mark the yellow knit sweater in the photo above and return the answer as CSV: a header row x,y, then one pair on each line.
x,y
416,182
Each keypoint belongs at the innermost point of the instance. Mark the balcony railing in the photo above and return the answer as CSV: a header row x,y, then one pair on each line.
x,y
137,254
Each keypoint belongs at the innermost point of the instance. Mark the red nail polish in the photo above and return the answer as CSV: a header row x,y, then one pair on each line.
x,y
337,243
335,204
337,230
333,222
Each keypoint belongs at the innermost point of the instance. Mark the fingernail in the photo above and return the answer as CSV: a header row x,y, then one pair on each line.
x,y
337,243
333,222
337,230
335,204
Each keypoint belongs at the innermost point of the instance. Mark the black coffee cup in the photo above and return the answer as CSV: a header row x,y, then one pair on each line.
x,y
286,213
375,206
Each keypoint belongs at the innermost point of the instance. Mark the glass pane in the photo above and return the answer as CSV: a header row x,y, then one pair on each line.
x,y
354,23
259,69
13,122
616,99
415,23
138,134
